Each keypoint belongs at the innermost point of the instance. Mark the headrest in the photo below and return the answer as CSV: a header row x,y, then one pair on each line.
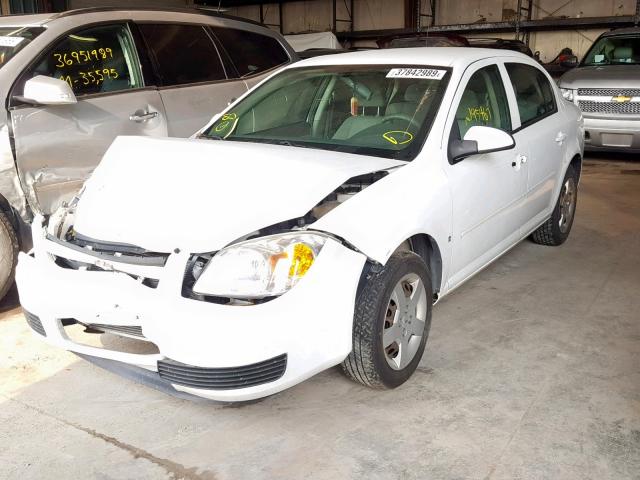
x,y
376,100
622,53
413,93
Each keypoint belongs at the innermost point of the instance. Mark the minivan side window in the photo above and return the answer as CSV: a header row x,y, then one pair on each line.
x,y
484,102
251,52
534,93
182,54
96,60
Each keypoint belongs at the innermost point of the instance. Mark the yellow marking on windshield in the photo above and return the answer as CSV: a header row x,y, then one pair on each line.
x,y
390,137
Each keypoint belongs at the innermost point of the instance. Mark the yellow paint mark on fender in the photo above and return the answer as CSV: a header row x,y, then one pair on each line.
x,y
405,137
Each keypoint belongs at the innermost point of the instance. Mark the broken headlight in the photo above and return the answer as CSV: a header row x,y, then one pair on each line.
x,y
262,267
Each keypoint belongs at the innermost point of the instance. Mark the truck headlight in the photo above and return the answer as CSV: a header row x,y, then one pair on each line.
x,y
567,93
262,267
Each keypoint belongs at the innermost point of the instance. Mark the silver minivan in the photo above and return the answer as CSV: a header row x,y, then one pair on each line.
x,y
72,82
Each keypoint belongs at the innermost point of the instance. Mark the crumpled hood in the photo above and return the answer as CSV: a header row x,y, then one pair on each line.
x,y
200,195
608,76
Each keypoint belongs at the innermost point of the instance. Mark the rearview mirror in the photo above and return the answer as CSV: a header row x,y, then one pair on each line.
x,y
568,61
41,90
479,140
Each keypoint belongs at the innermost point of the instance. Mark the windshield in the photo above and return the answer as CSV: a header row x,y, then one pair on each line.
x,y
14,39
376,110
615,50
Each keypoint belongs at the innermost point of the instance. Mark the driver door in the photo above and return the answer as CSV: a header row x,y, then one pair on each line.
x,y
488,190
58,146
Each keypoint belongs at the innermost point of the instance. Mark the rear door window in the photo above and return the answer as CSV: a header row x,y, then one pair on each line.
x,y
183,54
96,60
534,94
251,52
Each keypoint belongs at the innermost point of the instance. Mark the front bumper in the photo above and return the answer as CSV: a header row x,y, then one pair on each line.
x,y
311,324
612,134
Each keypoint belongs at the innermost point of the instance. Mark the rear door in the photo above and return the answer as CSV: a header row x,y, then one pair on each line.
x,y
58,146
542,128
193,81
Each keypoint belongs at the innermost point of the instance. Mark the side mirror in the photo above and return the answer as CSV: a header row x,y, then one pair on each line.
x,y
41,90
568,61
479,140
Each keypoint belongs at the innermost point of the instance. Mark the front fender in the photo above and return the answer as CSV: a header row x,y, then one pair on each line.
x,y
414,199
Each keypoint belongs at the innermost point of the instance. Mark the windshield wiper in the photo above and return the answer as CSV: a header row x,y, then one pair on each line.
x,y
211,137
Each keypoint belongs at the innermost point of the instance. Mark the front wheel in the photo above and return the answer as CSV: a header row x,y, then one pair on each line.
x,y
391,323
556,229
9,248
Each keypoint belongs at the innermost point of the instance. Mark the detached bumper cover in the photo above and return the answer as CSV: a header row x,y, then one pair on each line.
x,y
203,346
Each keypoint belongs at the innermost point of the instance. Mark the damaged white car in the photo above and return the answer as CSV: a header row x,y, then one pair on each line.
x,y
313,223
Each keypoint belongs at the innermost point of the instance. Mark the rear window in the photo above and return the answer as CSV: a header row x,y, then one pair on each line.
x,y
250,52
182,54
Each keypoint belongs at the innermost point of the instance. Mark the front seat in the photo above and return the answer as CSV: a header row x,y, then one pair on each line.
x,y
412,96
356,124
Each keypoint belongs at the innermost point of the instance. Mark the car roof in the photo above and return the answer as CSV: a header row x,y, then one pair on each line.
x,y
25,20
42,18
436,56
621,31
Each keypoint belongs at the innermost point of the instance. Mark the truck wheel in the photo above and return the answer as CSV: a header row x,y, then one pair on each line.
x,y
9,248
391,322
556,230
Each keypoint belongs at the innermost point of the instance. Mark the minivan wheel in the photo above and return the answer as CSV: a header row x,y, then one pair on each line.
x,y
556,230
9,248
391,322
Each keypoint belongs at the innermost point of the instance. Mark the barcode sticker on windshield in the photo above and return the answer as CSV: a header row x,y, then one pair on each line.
x,y
10,41
428,73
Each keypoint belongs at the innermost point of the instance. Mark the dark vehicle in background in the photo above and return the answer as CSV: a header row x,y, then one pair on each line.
x,y
562,63
502,44
317,52
408,40
606,88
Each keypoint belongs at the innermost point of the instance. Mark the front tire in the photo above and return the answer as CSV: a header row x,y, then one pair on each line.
x,y
391,323
9,248
556,229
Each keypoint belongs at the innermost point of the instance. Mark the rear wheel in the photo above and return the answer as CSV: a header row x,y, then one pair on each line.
x,y
9,248
556,230
391,323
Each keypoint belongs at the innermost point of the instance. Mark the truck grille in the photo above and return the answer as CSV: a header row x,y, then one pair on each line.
x,y
223,378
630,108
609,92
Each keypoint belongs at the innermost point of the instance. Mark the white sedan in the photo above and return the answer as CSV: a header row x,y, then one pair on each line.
x,y
313,223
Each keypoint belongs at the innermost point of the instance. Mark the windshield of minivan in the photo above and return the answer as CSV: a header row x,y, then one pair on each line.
x,y
14,39
384,111
615,50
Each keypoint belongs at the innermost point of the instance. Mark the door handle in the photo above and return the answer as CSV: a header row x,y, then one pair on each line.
x,y
560,137
140,117
519,161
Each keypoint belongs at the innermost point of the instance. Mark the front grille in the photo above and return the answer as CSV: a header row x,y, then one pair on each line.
x,y
133,330
223,378
631,108
609,92
78,265
35,323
